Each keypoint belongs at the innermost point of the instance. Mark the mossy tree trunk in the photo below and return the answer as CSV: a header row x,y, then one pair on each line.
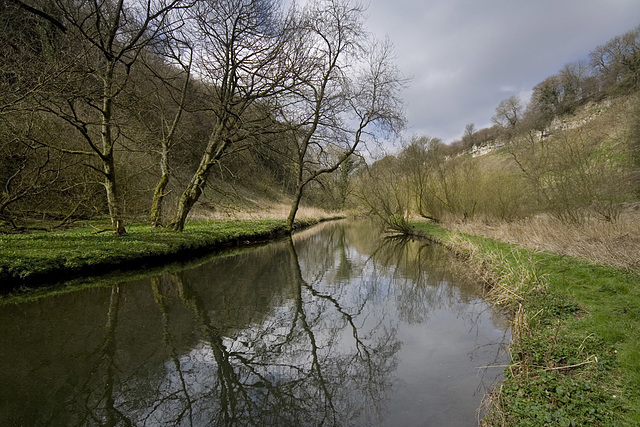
x,y
107,154
158,198
215,149
167,143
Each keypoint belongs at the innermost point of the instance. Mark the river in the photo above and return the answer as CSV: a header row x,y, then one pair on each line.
x,y
337,326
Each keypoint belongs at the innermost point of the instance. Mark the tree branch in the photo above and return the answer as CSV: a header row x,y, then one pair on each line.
x,y
41,14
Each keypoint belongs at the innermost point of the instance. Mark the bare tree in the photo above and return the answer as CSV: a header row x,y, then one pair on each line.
x,y
574,78
618,60
545,103
386,193
171,94
469,130
245,58
340,106
106,41
508,112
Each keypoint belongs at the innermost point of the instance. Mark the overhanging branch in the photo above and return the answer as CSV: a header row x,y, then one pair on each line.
x,y
41,14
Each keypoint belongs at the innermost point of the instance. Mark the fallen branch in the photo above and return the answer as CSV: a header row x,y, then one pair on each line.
x,y
589,360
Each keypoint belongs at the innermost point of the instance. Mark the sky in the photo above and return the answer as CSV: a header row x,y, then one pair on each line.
x,y
464,56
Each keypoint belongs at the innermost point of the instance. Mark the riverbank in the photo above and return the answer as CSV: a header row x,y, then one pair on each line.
x,y
38,259
576,334
610,243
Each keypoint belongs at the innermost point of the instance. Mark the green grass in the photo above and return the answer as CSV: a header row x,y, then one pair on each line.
x,y
576,348
24,256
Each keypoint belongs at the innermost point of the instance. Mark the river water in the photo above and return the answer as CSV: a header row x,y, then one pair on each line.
x,y
336,326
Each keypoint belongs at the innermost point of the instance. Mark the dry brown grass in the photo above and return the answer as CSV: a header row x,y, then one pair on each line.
x,y
611,244
262,210
509,277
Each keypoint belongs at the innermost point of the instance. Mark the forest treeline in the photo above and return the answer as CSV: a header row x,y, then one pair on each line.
x,y
573,151
136,109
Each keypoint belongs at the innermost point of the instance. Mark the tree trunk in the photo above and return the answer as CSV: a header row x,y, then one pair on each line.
x,y
190,196
112,197
158,198
294,209
216,147
107,155
159,192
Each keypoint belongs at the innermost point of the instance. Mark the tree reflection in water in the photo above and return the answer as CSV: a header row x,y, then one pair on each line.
x,y
310,362
307,331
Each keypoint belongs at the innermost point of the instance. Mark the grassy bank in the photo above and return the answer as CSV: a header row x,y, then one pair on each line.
x,y
576,334
44,257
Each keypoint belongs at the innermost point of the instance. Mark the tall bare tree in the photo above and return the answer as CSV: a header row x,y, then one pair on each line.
x,y
348,99
245,58
171,91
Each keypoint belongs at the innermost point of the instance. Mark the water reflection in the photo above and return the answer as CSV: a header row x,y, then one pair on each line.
x,y
333,327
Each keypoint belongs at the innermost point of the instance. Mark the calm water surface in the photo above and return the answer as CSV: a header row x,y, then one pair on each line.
x,y
336,327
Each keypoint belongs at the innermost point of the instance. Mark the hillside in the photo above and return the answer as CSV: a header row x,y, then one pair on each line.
x,y
571,188
611,117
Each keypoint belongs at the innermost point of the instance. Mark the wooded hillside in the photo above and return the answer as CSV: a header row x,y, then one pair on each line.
x,y
137,109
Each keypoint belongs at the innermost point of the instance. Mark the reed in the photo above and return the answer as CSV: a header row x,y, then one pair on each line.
x,y
615,244
510,275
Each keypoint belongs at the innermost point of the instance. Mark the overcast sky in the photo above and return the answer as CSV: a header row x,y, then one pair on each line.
x,y
465,56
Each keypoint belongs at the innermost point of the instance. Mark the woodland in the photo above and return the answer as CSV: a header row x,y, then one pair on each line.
x,y
133,110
